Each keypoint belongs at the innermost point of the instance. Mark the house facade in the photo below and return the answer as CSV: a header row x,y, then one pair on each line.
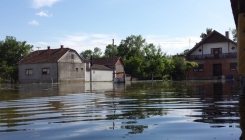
x,y
102,69
52,65
216,56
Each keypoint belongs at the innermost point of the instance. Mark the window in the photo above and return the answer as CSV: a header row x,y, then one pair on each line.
x,y
77,69
200,68
233,66
81,69
45,71
72,56
216,50
29,71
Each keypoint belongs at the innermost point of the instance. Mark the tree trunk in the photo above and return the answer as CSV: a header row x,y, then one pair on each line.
x,y
152,74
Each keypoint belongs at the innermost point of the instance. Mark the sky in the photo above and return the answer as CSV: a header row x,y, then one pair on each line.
x,y
174,25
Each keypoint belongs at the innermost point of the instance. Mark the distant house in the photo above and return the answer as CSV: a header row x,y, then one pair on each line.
x,y
52,65
102,69
216,56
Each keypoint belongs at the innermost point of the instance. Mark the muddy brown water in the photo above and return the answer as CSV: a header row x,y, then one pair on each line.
x,y
187,110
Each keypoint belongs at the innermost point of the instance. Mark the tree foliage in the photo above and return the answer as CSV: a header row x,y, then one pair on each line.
x,y
131,46
208,32
145,60
110,51
11,52
97,52
133,65
154,59
234,34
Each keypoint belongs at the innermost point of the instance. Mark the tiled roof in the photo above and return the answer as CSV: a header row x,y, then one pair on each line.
x,y
100,67
44,56
103,63
106,61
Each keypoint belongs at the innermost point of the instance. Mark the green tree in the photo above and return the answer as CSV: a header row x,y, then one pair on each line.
x,y
188,65
86,54
133,65
208,32
131,46
153,59
234,34
178,72
168,68
97,52
11,52
110,51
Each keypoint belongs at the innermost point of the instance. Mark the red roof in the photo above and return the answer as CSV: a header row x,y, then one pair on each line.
x,y
44,56
103,63
106,61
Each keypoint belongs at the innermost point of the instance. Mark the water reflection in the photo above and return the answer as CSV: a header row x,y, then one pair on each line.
x,y
133,108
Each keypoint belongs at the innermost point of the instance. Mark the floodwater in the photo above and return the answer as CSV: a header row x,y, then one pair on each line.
x,y
188,110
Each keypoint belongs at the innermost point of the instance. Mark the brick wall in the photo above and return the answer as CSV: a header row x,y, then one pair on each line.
x,y
207,72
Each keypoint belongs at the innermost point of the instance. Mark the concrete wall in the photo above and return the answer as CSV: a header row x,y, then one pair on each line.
x,y
37,75
71,71
206,48
71,68
68,68
99,75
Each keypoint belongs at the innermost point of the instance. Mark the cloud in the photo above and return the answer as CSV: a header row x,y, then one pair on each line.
x,y
172,45
42,3
44,14
33,22
84,41
79,42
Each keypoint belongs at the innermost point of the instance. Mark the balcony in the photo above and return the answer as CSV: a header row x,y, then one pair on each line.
x,y
212,56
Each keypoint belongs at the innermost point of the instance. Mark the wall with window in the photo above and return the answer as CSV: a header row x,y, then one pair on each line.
x,y
36,73
208,47
205,69
70,56
71,67
71,71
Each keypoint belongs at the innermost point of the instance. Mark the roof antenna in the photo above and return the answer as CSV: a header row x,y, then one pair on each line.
x,y
38,49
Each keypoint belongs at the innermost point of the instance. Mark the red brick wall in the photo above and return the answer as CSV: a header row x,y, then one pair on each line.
x,y
120,69
208,69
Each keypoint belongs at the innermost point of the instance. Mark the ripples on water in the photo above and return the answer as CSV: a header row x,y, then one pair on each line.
x,y
159,110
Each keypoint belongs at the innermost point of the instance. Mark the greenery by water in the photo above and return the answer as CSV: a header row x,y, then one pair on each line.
x,y
139,110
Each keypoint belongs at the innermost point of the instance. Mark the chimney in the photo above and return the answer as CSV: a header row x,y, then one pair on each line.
x,y
48,47
61,46
227,34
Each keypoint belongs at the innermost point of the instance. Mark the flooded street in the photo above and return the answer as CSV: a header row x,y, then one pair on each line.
x,y
187,110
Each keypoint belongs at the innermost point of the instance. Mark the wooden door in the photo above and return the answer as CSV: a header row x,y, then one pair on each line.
x,y
217,69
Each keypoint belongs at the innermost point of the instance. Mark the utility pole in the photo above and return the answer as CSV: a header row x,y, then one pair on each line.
x,y
91,64
113,65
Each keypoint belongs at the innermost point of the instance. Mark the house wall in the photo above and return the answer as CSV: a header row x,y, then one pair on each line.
x,y
206,48
71,68
99,75
37,75
207,73
119,69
